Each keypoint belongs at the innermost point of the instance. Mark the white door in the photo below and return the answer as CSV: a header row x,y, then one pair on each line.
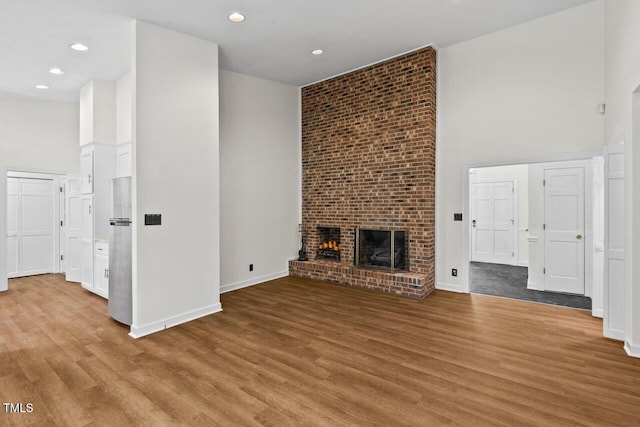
x,y
614,254
86,240
73,224
564,230
492,222
30,236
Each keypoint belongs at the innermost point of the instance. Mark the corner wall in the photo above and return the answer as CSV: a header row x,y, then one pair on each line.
x,y
527,93
259,179
623,124
176,266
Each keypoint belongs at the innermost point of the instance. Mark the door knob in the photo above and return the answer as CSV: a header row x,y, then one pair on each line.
x,y
579,236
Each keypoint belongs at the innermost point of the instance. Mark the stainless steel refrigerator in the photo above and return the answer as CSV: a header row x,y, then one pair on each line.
x,y
120,292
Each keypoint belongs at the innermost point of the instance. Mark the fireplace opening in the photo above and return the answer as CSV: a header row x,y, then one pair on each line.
x,y
381,249
329,246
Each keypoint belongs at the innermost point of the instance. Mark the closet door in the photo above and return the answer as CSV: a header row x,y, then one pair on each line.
x,y
30,221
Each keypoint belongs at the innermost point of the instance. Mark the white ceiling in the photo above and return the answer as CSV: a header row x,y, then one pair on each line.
x,y
273,43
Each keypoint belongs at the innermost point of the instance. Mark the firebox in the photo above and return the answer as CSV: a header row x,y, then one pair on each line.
x,y
381,249
329,243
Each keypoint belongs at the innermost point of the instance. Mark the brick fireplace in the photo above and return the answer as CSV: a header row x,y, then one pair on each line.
x,y
368,162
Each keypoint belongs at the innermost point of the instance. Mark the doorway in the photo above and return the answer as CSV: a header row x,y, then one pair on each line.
x,y
527,232
33,230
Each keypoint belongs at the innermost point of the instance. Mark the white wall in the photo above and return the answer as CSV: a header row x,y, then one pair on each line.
x,y
34,136
622,80
124,104
527,93
519,173
176,266
259,179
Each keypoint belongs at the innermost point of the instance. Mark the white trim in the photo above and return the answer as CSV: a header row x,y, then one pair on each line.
x,y
160,325
632,350
613,334
598,312
535,286
521,264
532,239
438,222
4,283
397,55
251,282
451,288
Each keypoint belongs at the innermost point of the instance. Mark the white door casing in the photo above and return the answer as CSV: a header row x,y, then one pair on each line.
x,y
564,213
73,223
614,243
492,215
12,227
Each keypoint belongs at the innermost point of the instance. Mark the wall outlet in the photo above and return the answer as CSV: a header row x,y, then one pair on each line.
x,y
454,272
250,267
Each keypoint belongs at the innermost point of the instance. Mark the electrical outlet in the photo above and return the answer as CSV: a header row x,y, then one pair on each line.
x,y
250,267
454,272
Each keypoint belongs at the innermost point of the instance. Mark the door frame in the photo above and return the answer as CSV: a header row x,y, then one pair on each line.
x,y
4,172
466,209
514,210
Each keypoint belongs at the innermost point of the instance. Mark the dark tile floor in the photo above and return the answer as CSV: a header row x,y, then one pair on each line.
x,y
511,282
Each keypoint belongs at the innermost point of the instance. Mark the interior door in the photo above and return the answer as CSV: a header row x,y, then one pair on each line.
x,y
73,223
492,222
564,230
30,226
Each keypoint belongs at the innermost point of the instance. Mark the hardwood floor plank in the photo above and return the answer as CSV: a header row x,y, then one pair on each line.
x,y
302,352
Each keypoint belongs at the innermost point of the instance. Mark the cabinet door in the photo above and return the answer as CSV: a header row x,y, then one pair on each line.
x,y
86,169
101,274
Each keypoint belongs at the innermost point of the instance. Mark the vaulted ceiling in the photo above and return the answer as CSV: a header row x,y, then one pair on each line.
x,y
274,42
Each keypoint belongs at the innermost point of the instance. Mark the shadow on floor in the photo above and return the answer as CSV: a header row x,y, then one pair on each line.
x,y
511,282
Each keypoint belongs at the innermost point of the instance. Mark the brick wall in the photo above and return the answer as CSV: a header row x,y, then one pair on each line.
x,y
368,155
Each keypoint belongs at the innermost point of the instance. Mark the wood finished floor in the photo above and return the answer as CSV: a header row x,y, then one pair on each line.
x,y
301,352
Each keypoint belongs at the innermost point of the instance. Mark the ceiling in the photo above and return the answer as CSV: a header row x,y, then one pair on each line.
x,y
274,42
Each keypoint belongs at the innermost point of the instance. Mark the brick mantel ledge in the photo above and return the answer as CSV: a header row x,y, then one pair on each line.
x,y
413,285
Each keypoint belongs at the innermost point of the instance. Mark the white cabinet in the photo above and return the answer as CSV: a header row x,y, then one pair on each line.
x,y
101,270
86,170
98,163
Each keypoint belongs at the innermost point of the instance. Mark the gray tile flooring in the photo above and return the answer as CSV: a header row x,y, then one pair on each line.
x,y
511,282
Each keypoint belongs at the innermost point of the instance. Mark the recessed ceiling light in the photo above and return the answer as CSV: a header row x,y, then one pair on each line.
x,y
56,71
42,87
79,47
317,52
236,17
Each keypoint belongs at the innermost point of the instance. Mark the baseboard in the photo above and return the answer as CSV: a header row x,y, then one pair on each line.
x,y
598,313
534,286
522,264
613,334
632,350
451,288
160,325
239,285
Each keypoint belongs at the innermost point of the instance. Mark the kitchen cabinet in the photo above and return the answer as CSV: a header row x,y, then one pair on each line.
x,y
101,270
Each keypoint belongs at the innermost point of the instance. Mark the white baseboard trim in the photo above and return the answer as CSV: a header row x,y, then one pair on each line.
x,y
632,350
451,288
239,285
522,264
534,286
613,334
161,325
598,313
